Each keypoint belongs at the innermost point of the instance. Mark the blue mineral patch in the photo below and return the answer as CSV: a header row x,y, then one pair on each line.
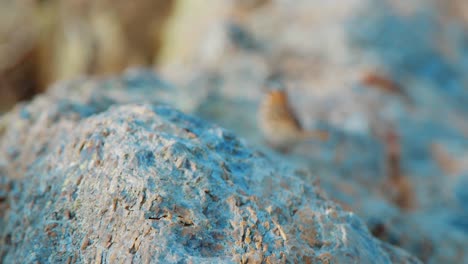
x,y
145,158
66,106
100,103
461,222
242,38
164,110
151,184
461,193
172,115
24,113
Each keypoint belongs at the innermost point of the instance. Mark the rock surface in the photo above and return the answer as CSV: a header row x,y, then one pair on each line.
x,y
90,179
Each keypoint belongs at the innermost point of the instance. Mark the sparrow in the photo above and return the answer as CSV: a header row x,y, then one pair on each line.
x,y
280,125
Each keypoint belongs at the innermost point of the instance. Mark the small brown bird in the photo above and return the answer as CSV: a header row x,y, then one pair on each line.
x,y
279,124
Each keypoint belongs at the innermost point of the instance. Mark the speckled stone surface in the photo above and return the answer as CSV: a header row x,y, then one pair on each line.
x,y
94,181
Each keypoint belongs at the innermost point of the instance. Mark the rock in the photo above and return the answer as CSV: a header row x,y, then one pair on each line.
x,y
103,181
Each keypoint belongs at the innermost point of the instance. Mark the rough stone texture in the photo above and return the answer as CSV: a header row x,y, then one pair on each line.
x,y
90,179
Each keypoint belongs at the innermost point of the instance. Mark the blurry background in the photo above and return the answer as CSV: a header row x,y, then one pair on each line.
x,y
47,40
42,41
387,78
